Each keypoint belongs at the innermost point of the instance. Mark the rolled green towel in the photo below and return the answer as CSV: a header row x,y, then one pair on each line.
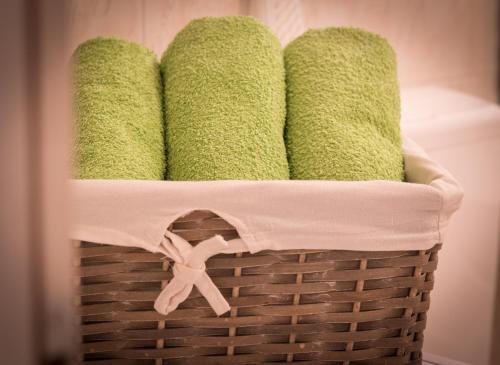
x,y
118,105
225,102
343,107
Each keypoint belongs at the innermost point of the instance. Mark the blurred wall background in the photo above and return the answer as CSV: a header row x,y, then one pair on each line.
x,y
450,43
35,123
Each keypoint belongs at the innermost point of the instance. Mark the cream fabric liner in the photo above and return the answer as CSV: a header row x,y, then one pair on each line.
x,y
276,215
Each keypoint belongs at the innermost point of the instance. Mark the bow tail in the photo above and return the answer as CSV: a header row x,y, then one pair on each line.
x,y
214,297
172,295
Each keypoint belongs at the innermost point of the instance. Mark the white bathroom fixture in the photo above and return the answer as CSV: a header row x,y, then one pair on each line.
x,y
462,133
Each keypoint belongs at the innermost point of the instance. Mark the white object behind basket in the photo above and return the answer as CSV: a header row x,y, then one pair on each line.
x,y
462,133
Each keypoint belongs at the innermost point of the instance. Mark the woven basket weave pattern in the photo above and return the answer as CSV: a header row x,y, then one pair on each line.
x,y
302,306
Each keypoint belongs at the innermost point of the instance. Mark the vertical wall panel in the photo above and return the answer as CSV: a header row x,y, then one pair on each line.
x,y
35,268
51,130
284,17
17,343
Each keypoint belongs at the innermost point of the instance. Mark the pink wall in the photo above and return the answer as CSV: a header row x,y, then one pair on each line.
x,y
451,43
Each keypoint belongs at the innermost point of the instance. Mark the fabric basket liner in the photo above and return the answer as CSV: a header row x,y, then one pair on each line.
x,y
268,215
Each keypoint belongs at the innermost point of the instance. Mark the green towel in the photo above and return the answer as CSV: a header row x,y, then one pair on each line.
x,y
118,106
343,107
225,100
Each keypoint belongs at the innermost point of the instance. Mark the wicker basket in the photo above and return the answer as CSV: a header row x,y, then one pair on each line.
x,y
307,306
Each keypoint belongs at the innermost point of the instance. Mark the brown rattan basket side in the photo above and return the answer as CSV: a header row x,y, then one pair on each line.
x,y
302,306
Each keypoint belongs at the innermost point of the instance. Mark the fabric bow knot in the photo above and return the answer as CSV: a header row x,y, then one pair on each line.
x,y
189,270
188,275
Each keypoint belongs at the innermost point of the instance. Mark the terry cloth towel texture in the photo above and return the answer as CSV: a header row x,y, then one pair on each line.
x,y
343,107
225,97
119,117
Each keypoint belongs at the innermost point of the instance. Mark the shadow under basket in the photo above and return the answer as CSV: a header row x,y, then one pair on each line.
x,y
295,306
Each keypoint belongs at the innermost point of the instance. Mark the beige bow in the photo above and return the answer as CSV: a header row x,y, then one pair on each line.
x,y
189,270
